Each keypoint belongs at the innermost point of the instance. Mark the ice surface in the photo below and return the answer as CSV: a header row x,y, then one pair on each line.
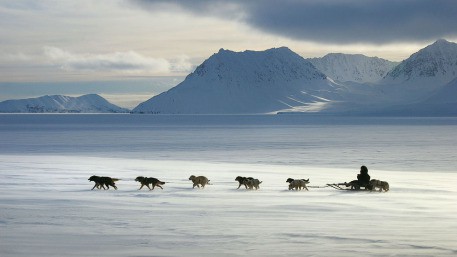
x,y
48,209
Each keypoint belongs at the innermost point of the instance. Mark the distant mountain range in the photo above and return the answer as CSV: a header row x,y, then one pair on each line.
x,y
91,103
280,81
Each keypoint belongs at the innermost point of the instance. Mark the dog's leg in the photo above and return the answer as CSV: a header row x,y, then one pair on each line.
x,y
94,186
159,186
149,187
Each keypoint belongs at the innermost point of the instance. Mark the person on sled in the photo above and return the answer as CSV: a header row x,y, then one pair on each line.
x,y
363,178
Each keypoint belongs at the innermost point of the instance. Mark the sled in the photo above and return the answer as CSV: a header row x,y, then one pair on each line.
x,y
351,186
347,186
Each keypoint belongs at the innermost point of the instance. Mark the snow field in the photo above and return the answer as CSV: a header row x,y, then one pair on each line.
x,y
48,209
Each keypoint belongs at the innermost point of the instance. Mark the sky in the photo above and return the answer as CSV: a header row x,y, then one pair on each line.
x,y
130,50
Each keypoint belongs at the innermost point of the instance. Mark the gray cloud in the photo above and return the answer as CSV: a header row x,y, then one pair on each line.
x,y
333,21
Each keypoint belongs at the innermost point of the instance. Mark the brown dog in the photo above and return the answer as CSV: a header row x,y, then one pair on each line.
x,y
101,182
382,185
297,184
199,180
145,181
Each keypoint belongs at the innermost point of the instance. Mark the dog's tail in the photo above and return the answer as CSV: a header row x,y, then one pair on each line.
x,y
115,179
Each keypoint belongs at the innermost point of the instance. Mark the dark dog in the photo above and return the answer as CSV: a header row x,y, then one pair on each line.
x,y
253,183
101,182
356,185
145,181
353,184
243,181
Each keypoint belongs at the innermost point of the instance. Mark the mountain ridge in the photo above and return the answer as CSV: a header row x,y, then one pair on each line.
x,y
89,103
245,82
438,61
353,67
278,80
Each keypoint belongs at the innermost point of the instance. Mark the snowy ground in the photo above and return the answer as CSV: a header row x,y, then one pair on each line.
x,y
48,209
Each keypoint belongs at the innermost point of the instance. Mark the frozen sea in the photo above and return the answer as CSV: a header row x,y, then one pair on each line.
x,y
48,209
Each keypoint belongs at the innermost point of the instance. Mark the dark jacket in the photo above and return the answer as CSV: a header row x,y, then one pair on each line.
x,y
363,177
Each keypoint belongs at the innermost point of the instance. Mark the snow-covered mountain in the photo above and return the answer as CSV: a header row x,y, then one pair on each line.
x,y
353,67
436,63
422,74
248,82
91,103
279,80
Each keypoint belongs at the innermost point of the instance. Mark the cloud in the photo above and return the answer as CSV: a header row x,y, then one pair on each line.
x,y
16,57
334,21
128,62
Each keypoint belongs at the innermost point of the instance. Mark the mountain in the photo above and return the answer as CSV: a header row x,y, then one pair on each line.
x,y
353,67
91,103
435,63
248,82
423,73
278,80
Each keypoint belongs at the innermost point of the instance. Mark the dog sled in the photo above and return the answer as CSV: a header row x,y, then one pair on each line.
x,y
348,186
356,186
342,186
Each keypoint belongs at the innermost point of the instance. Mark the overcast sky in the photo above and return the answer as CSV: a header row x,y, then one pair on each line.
x,y
71,41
